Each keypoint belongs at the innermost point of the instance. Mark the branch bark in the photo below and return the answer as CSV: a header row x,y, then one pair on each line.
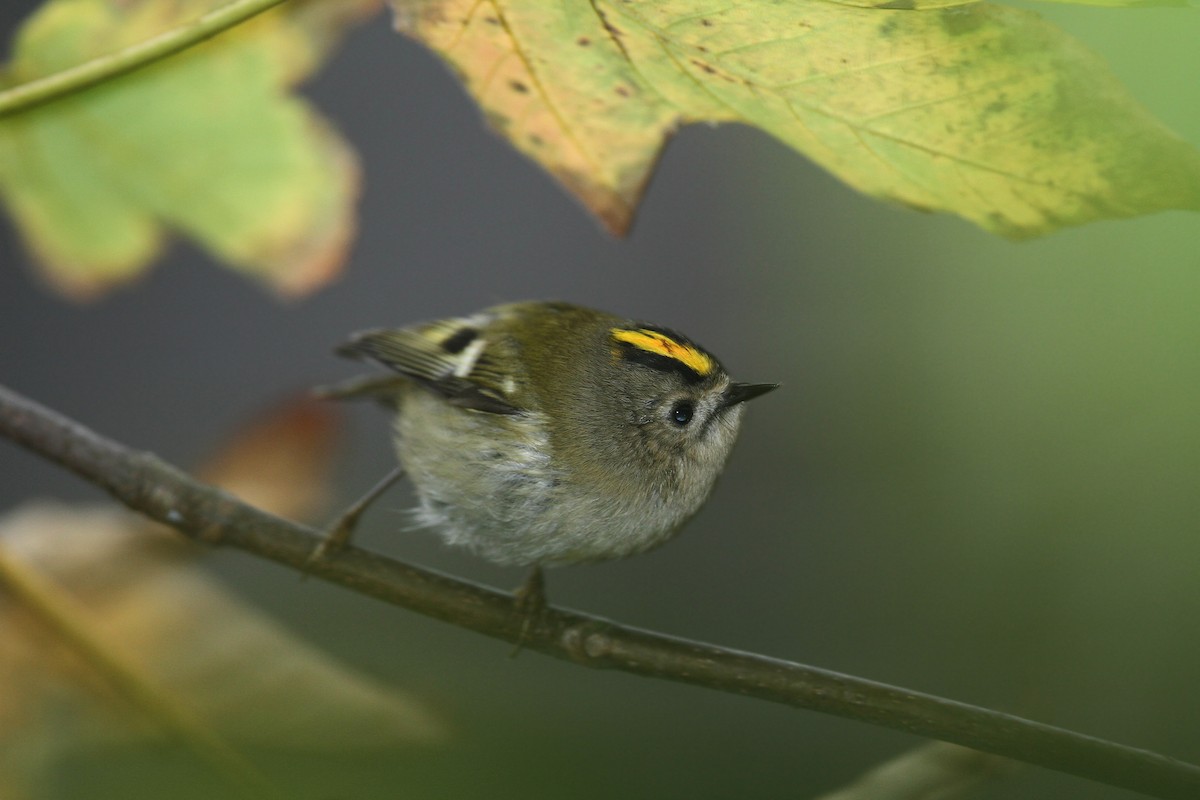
x,y
148,485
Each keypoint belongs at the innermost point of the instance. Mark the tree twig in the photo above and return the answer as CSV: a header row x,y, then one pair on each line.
x,y
162,492
75,79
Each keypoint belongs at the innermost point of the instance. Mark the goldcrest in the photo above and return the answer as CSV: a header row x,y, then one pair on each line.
x,y
543,433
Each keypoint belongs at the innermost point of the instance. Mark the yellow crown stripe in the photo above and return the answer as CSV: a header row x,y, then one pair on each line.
x,y
654,342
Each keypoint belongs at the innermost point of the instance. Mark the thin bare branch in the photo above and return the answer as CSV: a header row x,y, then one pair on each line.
x,y
162,492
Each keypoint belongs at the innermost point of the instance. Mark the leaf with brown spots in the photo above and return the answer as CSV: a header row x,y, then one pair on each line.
x,y
980,110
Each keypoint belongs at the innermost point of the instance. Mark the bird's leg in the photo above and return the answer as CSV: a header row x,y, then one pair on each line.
x,y
531,595
338,535
529,601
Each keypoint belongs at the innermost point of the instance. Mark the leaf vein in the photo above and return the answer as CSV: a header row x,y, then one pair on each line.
x,y
462,29
592,160
953,157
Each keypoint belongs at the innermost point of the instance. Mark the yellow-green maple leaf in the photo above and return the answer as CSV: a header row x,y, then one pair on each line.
x,y
207,143
980,110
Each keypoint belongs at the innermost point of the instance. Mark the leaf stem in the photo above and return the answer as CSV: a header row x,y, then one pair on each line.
x,y
110,65
160,491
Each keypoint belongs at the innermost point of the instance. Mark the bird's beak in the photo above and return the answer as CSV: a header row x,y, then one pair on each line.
x,y
741,392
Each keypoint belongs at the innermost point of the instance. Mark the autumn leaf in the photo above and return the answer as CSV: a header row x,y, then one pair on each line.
x,y
139,594
1127,3
922,5
208,144
935,771
280,460
980,110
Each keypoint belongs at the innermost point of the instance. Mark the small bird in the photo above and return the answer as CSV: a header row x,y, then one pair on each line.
x,y
543,433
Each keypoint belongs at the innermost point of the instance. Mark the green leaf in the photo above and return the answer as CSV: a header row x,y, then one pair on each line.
x,y
980,110
922,5
1127,3
207,143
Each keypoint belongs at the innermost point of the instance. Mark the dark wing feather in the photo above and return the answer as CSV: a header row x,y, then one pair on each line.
x,y
449,357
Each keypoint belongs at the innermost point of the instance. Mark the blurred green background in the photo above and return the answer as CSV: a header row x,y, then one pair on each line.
x,y
980,479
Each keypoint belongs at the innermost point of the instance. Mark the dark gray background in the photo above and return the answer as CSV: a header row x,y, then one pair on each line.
x,y
978,480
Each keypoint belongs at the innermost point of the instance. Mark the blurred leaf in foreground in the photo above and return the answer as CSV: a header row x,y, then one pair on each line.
x,y
936,771
207,143
137,590
913,5
280,461
1127,3
984,111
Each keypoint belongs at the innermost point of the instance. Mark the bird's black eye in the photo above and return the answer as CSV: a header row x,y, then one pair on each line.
x,y
681,413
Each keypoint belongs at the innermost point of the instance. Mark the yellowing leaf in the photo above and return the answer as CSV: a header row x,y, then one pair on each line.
x,y
281,460
980,110
935,771
134,595
1127,3
905,5
138,592
207,143
911,5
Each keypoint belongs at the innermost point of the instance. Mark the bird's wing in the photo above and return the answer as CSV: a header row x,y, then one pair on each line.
x,y
451,357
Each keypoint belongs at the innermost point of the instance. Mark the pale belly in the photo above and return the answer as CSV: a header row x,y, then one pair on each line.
x,y
487,482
